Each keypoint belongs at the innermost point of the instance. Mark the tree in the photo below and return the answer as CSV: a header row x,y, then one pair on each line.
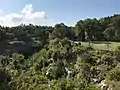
x,y
80,31
109,33
61,31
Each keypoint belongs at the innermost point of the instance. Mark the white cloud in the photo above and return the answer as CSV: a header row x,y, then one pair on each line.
x,y
27,9
26,15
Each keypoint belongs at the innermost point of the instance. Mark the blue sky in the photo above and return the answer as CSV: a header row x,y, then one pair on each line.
x,y
67,11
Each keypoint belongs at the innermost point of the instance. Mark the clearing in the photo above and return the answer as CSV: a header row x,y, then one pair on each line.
x,y
102,45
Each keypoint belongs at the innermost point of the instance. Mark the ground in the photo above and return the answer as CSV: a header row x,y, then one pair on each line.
x,y
102,45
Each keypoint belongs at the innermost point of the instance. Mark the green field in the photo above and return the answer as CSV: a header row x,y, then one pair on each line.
x,y
102,45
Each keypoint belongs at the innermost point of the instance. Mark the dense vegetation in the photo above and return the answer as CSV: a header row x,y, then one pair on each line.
x,y
52,58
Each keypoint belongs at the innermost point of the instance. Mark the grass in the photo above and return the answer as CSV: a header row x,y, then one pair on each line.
x,y
102,45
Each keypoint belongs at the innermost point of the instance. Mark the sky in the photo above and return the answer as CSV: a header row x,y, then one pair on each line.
x,y
50,12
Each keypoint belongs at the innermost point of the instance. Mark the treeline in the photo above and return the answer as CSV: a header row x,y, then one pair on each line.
x,y
103,29
25,33
106,28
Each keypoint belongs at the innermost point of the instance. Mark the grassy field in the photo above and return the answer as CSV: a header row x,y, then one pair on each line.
x,y
102,45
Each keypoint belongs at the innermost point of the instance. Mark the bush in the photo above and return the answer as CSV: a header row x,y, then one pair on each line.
x,y
114,75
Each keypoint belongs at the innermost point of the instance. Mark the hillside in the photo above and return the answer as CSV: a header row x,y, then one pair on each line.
x,y
84,57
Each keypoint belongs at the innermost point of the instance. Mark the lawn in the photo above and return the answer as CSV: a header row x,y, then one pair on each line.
x,y
102,45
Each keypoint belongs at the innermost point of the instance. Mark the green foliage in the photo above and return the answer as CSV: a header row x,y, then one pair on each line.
x,y
114,75
57,61
5,79
4,60
117,53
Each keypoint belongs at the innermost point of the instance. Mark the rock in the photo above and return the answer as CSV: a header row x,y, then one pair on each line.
x,y
103,85
95,80
99,62
69,73
118,65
